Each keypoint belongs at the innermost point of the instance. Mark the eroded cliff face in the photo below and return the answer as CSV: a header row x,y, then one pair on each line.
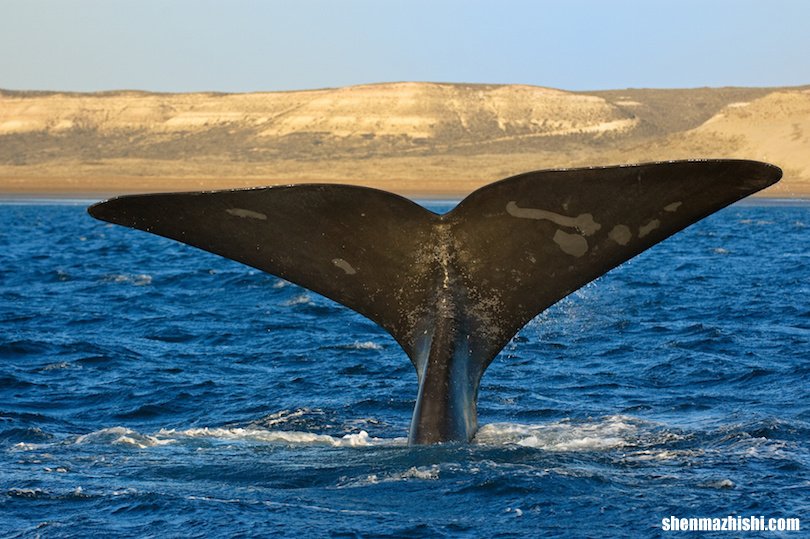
x,y
415,110
775,128
405,132
378,118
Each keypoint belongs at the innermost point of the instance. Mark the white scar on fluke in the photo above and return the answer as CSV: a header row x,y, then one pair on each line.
x,y
571,244
345,266
621,234
241,212
583,222
649,227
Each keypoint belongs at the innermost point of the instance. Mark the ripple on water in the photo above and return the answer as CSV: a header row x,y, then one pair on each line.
x,y
146,388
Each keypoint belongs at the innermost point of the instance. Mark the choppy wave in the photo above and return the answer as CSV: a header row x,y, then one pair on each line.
x,y
300,299
148,388
610,433
606,434
360,439
638,439
140,279
121,436
414,473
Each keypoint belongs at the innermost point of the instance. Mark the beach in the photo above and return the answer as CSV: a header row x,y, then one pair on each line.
x,y
93,181
425,140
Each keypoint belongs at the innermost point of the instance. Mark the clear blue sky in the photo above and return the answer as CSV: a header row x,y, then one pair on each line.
x,y
248,45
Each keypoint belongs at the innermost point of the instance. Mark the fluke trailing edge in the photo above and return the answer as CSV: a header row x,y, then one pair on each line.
x,y
451,289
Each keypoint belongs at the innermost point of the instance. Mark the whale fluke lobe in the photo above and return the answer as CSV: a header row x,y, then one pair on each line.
x,y
451,289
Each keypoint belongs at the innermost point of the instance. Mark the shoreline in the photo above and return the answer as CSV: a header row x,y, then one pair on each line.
x,y
403,138
11,195
89,196
415,190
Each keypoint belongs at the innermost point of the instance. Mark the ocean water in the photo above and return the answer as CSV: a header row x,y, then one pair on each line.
x,y
151,389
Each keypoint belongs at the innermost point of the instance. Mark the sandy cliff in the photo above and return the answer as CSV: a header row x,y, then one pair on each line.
x,y
408,137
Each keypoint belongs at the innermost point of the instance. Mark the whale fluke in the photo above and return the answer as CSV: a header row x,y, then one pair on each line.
x,y
452,289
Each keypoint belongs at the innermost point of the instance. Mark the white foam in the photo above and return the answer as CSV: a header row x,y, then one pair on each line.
x,y
427,473
59,366
301,299
22,446
140,279
763,448
26,492
414,473
360,439
123,436
366,345
517,511
128,437
719,484
607,433
284,416
663,455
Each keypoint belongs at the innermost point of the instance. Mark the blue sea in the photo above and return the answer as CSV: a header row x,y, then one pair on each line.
x,y
148,389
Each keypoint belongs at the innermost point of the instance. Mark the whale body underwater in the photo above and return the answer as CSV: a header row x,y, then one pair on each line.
x,y
451,289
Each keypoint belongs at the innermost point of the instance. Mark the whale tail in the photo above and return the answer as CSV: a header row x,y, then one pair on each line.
x,y
452,289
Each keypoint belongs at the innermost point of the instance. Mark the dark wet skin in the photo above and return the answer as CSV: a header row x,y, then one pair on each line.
x,y
452,289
